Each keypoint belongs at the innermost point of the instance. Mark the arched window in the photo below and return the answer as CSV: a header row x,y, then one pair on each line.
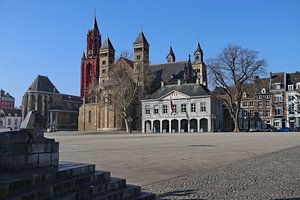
x,y
263,91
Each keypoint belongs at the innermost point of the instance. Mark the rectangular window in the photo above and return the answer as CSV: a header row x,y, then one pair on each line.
x,y
259,97
278,98
259,104
278,111
245,104
202,107
267,96
174,108
291,108
147,110
165,108
268,103
16,121
268,113
260,113
183,107
193,107
291,98
251,103
9,122
276,123
252,112
156,109
290,87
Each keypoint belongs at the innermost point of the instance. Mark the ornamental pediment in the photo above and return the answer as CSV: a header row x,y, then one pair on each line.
x,y
175,95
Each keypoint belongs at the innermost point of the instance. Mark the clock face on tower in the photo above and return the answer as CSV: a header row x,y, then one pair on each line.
x,y
90,52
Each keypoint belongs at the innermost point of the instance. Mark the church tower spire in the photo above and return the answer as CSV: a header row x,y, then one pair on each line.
x,y
90,60
199,65
171,56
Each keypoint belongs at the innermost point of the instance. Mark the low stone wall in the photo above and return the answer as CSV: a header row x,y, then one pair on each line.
x,y
19,150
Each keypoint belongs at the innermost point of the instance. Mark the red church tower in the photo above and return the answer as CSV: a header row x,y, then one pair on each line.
x,y
90,61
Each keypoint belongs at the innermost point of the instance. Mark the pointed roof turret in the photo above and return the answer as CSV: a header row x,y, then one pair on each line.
x,y
171,56
95,25
83,55
141,39
107,44
198,48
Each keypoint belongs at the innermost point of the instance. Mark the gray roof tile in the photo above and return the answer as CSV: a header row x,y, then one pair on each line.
x,y
191,90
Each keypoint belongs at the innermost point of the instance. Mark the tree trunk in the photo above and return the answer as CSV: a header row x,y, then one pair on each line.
x,y
128,125
236,124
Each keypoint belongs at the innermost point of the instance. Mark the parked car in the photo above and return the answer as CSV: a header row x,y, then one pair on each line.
x,y
284,129
52,128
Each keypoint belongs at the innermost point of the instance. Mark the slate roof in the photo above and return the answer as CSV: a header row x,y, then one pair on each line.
x,y
126,60
168,71
107,44
141,38
277,77
68,97
5,94
293,78
191,90
13,112
261,83
42,84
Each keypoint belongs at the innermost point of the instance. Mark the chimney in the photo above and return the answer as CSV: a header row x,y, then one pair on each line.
x,y
162,84
178,82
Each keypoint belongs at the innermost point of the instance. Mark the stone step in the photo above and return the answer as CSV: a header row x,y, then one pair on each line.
x,y
129,192
87,192
144,196
58,187
13,182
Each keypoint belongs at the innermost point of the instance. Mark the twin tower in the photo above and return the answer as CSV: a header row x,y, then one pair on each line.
x,y
98,58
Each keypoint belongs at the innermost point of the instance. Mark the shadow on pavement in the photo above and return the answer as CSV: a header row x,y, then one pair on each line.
x,y
177,193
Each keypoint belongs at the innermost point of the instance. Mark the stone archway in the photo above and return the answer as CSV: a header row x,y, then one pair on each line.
x,y
156,126
184,126
174,126
194,125
165,126
203,125
148,126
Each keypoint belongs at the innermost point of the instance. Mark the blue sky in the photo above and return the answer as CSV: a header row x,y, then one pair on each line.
x,y
48,37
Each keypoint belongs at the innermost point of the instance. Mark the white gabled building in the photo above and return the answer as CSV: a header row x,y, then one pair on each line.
x,y
193,110
10,119
292,101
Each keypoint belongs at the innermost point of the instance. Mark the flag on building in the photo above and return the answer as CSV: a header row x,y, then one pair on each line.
x,y
171,105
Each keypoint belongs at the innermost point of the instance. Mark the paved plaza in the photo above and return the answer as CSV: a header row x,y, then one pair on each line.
x,y
194,166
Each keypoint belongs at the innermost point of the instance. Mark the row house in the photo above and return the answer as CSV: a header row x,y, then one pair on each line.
x,y
271,103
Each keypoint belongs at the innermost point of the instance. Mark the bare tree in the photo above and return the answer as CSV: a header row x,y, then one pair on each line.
x,y
230,71
124,90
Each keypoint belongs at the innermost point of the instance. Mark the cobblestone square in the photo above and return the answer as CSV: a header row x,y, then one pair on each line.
x,y
194,166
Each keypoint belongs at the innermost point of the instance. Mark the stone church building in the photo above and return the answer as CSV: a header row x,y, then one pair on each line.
x,y
99,59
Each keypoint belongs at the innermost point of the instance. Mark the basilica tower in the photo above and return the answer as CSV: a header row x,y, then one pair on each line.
x,y
89,73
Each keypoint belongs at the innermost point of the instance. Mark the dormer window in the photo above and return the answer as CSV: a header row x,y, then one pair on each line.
x,y
290,87
263,91
245,95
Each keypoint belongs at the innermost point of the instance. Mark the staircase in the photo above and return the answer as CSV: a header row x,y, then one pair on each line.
x,y
68,181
